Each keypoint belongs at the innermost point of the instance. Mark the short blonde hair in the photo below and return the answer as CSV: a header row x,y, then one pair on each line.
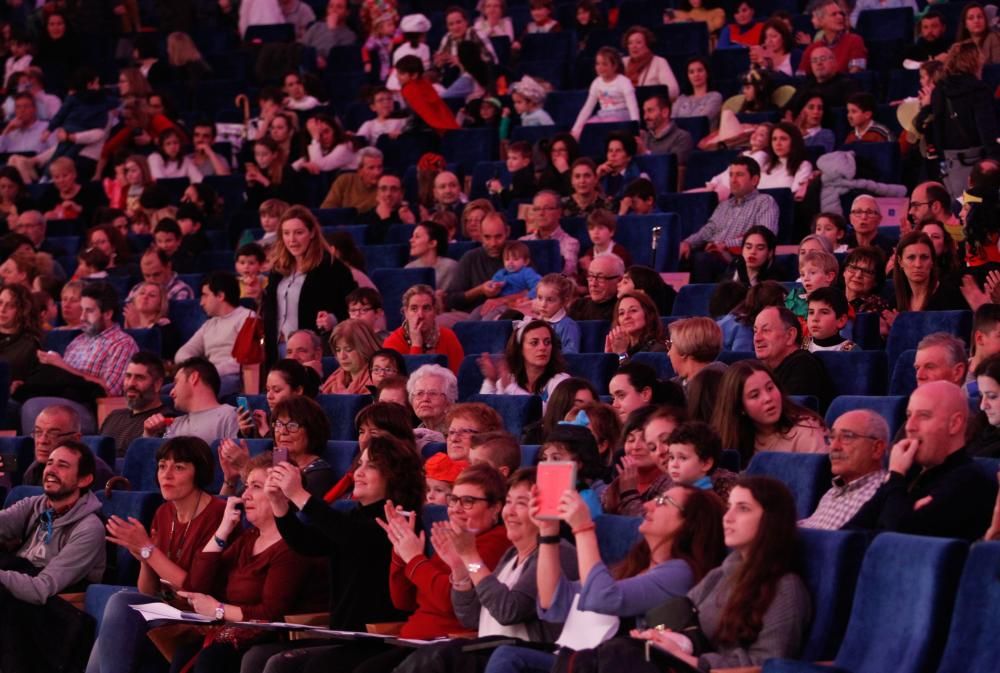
x,y
699,338
823,260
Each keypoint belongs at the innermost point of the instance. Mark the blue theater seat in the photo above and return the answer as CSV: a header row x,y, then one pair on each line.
x,y
341,410
128,504
477,336
545,256
148,339
901,608
564,106
393,283
24,449
972,645
904,377
432,448
470,379
335,217
891,408
635,233
387,256
685,38
698,127
340,454
703,166
807,475
661,169
693,209
856,372
405,150
598,368
616,535
467,147
912,326
594,136
483,172
534,134
729,357
559,46
886,24
101,446
58,340
884,157
692,299
517,411
140,463
730,63
658,361
592,335
529,454
414,362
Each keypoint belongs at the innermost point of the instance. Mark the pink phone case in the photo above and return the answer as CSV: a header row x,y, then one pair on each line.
x,y
553,479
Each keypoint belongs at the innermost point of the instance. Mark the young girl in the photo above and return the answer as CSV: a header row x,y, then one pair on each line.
x,y
541,22
384,37
493,20
757,256
612,90
787,164
575,443
529,97
552,295
441,473
133,178
168,161
833,228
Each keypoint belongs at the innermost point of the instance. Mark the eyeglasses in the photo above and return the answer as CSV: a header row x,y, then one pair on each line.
x,y
466,502
865,213
545,207
458,433
854,268
601,278
49,434
290,426
663,500
917,204
359,311
846,437
429,394
385,371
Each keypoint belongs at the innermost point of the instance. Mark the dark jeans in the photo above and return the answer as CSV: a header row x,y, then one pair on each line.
x,y
122,645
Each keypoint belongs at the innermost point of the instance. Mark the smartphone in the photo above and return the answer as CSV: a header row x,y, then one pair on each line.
x,y
243,403
8,462
280,455
553,478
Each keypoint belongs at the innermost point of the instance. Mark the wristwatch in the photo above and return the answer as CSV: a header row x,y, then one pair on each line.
x,y
220,612
473,568
146,551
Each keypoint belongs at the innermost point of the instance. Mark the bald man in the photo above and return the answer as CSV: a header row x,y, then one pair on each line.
x,y
933,487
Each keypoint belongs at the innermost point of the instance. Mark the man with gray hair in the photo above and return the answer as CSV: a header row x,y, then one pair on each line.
x,y
866,216
55,424
849,51
941,357
602,289
358,189
858,442
432,389
546,209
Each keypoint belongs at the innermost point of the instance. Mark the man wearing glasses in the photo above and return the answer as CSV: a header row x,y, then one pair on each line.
x,y
54,425
866,216
849,51
824,81
602,289
857,444
546,210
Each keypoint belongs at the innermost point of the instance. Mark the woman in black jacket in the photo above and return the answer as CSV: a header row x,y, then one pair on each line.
x,y
965,125
305,280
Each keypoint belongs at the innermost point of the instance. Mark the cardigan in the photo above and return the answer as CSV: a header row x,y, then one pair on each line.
x,y
325,289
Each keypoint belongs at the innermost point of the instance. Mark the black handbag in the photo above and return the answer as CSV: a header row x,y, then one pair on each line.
x,y
680,615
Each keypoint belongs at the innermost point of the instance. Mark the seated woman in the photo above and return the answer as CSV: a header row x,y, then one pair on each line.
x,y
984,435
389,470
287,378
603,422
787,166
744,31
810,123
169,160
758,578
181,528
949,265
267,176
14,197
586,194
472,218
561,152
112,243
642,66
258,577
756,89
419,334
635,384
20,331
635,327
69,306
68,199
639,477
429,249
353,343
864,276
331,149
499,602
698,99
773,51
648,280
576,444
148,310
618,169
681,543
755,264
694,345
753,414
737,325
569,395
300,427
532,365
916,280
691,454
466,420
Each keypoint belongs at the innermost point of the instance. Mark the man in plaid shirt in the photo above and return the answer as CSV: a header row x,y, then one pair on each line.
x,y
723,234
857,444
98,356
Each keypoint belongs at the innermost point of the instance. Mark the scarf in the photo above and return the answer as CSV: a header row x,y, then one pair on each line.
x,y
637,65
429,344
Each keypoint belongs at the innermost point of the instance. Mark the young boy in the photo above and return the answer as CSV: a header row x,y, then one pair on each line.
x,y
497,448
639,198
860,113
517,274
191,219
601,226
421,96
817,269
270,212
250,259
167,236
827,316
441,473
382,103
365,304
692,458
522,176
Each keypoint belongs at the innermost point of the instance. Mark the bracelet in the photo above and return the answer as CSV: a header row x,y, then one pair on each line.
x,y
220,542
583,529
622,358
548,539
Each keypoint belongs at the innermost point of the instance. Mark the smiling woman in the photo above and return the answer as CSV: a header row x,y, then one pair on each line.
x,y
532,365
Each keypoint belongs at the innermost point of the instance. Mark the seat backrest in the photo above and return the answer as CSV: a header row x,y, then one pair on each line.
x,y
477,336
635,233
20,493
973,646
902,604
831,560
891,408
592,335
598,368
340,454
414,362
516,411
807,475
856,372
616,535
24,449
140,505
545,256
911,326
658,361
904,377
470,379
692,299
147,339
101,446
140,463
393,283
58,340
341,410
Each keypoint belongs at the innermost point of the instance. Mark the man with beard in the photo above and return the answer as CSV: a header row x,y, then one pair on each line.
x,y
93,365
195,392
54,426
661,135
61,547
143,382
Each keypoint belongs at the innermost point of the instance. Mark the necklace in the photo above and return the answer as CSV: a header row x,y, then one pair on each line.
x,y
173,551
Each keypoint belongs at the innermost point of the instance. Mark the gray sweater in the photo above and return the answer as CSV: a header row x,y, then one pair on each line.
x,y
515,605
785,621
75,552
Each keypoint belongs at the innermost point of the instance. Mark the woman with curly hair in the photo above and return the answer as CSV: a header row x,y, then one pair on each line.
x,y
635,327
533,364
20,331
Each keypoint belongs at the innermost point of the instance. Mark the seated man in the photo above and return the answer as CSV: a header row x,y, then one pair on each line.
x,y
54,425
357,189
143,381
985,341
204,158
473,284
220,299
848,49
712,247
157,267
602,289
661,135
60,546
196,393
306,348
387,209
857,444
23,133
546,211
941,357
447,194
93,365
777,342
934,487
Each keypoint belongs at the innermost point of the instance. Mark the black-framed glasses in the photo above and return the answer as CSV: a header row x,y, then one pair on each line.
x,y
601,278
466,502
847,437
854,268
663,500
290,426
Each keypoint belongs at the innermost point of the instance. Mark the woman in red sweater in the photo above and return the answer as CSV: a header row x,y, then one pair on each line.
x,y
257,578
420,333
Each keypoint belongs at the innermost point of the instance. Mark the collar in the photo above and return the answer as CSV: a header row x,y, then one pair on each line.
x,y
860,134
666,131
836,38
739,201
557,317
829,341
847,486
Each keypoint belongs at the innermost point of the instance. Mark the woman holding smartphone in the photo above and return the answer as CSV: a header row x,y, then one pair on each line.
x,y
181,527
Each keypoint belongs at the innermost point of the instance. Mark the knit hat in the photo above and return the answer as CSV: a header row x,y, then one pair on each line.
x,y
415,23
441,467
530,89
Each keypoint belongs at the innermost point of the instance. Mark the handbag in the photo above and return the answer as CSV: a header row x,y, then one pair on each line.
x,y
248,348
680,615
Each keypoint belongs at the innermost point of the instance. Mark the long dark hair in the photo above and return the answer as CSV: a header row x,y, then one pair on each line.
x,y
561,401
760,296
515,356
28,317
700,541
797,152
771,556
904,293
402,469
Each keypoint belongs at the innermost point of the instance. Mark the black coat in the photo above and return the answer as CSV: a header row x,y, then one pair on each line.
x,y
964,116
325,289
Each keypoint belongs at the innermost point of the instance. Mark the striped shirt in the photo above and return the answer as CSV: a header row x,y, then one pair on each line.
x,y
105,356
842,501
734,216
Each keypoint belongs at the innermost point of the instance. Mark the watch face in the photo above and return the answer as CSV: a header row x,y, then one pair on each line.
x,y
146,552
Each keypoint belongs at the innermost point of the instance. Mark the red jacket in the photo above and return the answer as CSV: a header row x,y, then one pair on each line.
x,y
447,345
424,586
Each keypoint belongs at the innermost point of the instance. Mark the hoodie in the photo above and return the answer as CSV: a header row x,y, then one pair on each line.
x,y
75,551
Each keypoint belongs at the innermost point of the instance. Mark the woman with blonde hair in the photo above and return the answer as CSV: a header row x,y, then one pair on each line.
x,y
420,333
353,343
148,310
133,84
185,59
305,279
692,345
472,218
